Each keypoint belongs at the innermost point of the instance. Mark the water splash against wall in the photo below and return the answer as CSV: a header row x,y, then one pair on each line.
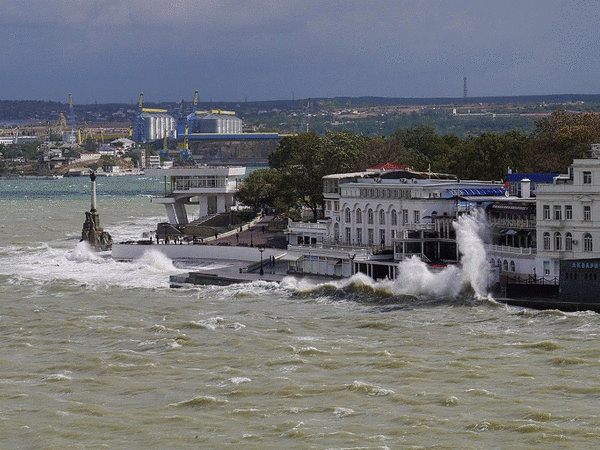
x,y
416,278
470,230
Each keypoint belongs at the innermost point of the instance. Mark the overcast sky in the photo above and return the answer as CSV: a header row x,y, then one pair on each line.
x,y
231,50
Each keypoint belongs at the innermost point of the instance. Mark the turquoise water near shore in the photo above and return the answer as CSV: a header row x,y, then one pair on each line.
x,y
103,354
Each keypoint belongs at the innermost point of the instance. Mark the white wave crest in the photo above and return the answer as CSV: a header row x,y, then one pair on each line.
x,y
156,261
416,278
475,266
83,252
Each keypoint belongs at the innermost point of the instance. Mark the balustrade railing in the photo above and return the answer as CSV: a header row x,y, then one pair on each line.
x,y
511,250
512,223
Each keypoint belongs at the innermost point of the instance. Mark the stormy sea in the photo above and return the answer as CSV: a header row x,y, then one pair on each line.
x,y
103,354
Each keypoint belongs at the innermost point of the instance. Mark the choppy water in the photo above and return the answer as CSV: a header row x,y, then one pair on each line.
x,y
100,354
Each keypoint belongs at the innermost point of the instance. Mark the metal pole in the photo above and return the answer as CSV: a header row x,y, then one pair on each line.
x,y
262,272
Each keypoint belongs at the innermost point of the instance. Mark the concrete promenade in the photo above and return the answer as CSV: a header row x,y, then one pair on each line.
x,y
253,234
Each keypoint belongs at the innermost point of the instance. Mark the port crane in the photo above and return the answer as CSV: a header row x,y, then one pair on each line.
x,y
138,126
190,123
184,150
73,138
138,132
303,118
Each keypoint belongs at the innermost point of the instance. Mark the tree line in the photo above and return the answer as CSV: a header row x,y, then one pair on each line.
x,y
296,167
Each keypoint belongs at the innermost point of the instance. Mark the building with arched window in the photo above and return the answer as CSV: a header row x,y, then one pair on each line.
x,y
568,210
374,219
390,214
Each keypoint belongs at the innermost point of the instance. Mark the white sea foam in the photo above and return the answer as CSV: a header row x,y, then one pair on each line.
x,y
416,278
156,261
82,265
83,252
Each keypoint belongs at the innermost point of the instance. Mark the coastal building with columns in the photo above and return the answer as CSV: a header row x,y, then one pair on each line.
x,y
386,214
568,216
209,190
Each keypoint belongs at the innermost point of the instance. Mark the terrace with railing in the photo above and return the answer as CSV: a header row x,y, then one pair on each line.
x,y
511,223
496,249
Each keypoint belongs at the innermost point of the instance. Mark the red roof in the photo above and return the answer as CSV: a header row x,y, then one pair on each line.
x,y
388,166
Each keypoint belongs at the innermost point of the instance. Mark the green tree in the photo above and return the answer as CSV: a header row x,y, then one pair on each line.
x,y
300,161
422,140
381,150
488,157
562,137
265,188
467,160
90,146
344,151
29,151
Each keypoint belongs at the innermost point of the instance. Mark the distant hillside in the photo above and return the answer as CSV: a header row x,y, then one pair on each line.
x,y
19,110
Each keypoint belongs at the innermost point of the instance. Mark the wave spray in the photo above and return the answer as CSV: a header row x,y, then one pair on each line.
x,y
416,278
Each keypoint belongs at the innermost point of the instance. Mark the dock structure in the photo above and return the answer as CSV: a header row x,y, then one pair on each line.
x,y
211,189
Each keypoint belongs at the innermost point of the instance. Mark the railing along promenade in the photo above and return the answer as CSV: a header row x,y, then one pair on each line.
x,y
511,250
512,223
361,251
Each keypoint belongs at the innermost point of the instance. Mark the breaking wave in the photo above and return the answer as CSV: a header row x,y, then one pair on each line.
x,y
83,252
417,281
155,260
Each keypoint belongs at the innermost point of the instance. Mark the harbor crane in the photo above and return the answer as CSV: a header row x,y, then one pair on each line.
x,y
73,138
190,123
138,125
303,118
138,133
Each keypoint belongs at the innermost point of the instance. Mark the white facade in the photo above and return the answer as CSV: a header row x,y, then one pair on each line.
x,y
123,143
370,217
368,210
210,189
568,217
153,161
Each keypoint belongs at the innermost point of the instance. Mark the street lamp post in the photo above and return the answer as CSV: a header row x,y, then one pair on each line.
x,y
261,250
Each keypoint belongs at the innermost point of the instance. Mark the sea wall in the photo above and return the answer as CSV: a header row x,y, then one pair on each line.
x,y
127,252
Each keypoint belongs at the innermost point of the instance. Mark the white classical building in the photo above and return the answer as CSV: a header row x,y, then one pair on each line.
x,y
209,189
568,216
388,213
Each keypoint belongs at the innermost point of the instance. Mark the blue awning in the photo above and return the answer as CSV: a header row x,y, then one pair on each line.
x,y
488,192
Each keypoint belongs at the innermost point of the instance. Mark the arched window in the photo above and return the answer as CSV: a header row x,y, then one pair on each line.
x,y
568,242
381,217
587,242
348,215
394,218
358,215
512,266
370,216
557,241
505,266
546,241
492,262
499,263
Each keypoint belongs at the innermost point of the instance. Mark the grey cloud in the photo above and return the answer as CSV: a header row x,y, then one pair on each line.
x,y
233,49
